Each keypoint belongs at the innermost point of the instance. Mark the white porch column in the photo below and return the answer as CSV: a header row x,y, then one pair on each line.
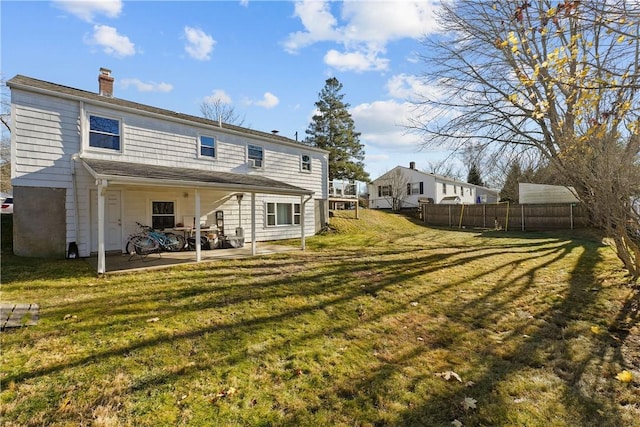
x,y
253,224
102,188
197,224
302,208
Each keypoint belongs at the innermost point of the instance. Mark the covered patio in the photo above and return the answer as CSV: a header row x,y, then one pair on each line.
x,y
109,174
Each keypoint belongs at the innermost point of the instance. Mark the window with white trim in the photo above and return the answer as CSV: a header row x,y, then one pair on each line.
x,y
444,188
104,132
207,146
279,214
163,215
255,155
384,190
415,188
305,163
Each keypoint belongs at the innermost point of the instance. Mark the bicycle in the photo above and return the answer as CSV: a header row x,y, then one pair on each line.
x,y
149,241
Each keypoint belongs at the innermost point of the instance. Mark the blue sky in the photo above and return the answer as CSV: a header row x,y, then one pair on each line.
x,y
267,59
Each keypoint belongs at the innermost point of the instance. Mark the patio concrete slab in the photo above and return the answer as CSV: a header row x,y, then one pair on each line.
x,y
124,263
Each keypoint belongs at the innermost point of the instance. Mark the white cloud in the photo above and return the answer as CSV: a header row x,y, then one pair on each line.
x,y
410,87
218,95
199,44
269,100
364,30
88,9
146,86
111,42
383,124
355,61
318,22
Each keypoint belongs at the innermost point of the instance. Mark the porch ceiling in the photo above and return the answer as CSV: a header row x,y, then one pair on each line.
x,y
145,174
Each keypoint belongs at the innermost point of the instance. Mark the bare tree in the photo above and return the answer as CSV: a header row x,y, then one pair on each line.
x,y
5,138
217,109
558,78
394,188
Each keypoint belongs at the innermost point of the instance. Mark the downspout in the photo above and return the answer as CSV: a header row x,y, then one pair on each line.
x,y
76,214
303,202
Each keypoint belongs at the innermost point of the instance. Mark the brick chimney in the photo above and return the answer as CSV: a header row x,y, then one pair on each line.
x,y
412,165
105,82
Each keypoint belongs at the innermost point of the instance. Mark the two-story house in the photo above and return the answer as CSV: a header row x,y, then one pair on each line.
x,y
86,167
408,187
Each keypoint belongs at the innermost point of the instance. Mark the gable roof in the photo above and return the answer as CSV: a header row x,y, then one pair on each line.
x,y
436,176
136,173
53,89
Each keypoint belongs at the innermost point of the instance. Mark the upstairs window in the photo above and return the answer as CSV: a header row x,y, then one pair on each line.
x,y
255,155
305,163
444,188
104,133
207,146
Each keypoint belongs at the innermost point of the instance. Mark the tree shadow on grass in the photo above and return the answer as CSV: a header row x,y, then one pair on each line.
x,y
358,291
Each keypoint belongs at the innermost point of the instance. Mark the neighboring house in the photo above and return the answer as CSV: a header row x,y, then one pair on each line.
x,y
408,187
87,166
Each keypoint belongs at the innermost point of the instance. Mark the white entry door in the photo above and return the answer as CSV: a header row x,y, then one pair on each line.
x,y
112,221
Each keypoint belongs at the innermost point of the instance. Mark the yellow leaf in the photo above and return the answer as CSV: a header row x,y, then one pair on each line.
x,y
625,376
595,329
551,12
621,39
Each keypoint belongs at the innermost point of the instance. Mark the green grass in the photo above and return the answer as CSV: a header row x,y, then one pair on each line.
x,y
355,331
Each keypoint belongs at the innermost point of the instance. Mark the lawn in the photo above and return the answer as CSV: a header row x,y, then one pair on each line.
x,y
380,322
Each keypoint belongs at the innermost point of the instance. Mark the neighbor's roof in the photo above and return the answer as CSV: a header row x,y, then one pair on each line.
x,y
29,83
438,177
144,174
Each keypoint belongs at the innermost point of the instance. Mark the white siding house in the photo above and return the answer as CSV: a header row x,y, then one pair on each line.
x,y
408,187
87,166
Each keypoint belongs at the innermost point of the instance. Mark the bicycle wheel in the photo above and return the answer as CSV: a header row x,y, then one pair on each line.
x,y
174,242
145,245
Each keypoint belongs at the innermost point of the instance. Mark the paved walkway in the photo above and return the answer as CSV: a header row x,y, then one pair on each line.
x,y
123,263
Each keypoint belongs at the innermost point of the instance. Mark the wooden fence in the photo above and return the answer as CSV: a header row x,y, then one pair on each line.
x,y
507,216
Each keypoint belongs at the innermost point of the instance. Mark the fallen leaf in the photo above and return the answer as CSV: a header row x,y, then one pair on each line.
x,y
414,303
469,384
625,376
153,319
595,329
447,375
456,423
469,403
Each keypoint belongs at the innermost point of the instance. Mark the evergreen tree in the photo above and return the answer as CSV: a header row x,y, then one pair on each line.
x,y
474,175
332,129
510,191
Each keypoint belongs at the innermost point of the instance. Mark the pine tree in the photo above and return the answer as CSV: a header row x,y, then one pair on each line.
x,y
332,129
474,175
510,191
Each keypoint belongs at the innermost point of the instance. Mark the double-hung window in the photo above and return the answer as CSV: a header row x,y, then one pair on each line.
x,y
415,188
104,133
384,191
283,214
163,215
305,163
255,155
207,146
